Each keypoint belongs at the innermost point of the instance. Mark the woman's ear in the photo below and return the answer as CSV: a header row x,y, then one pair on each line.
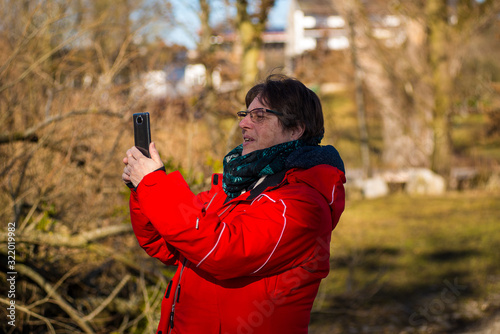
x,y
297,132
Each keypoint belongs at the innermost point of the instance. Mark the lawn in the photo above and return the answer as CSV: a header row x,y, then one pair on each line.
x,y
405,264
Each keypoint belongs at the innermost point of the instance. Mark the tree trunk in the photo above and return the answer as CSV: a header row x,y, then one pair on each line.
x,y
393,76
441,82
360,101
250,29
205,46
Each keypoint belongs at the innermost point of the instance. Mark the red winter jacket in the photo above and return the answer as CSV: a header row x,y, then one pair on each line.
x,y
251,265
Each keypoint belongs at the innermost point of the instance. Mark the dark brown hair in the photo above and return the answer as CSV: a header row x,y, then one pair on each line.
x,y
299,104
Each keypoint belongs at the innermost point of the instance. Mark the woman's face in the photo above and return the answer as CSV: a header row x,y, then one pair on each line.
x,y
269,132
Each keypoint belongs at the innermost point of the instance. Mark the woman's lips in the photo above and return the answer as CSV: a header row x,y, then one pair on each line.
x,y
247,140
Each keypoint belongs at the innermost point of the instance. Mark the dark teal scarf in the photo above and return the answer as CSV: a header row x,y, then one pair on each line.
x,y
240,172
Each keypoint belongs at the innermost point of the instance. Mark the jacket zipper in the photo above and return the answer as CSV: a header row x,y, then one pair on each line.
x,y
209,203
178,289
176,298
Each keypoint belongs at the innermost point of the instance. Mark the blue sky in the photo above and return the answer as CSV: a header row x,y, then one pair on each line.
x,y
278,15
187,15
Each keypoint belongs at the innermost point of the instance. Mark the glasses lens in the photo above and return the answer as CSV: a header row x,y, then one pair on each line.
x,y
241,114
258,115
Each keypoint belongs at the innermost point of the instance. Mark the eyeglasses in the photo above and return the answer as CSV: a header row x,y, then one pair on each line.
x,y
257,115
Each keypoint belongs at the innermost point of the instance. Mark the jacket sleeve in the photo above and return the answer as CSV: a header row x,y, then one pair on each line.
x,y
270,236
147,235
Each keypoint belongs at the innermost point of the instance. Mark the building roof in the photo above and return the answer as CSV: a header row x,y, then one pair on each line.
x,y
317,7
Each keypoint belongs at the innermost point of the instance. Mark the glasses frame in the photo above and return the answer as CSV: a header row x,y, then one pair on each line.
x,y
242,114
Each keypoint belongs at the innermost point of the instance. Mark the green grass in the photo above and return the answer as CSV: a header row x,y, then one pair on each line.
x,y
393,259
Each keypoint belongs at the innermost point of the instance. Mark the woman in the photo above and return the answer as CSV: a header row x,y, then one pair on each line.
x,y
252,250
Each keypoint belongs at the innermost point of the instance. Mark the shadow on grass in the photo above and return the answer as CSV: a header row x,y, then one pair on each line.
x,y
376,301
369,257
450,255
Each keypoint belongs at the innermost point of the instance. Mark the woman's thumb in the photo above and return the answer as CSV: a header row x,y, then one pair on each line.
x,y
154,153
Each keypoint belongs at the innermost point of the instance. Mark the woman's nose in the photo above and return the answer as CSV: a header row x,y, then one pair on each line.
x,y
245,122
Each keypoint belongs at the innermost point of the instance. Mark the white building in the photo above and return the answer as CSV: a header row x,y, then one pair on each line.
x,y
311,22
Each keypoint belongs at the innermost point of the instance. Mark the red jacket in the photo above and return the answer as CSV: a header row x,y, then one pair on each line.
x,y
251,265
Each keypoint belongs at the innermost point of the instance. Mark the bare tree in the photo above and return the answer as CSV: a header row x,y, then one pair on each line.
x,y
388,73
359,94
450,29
250,24
61,140
413,77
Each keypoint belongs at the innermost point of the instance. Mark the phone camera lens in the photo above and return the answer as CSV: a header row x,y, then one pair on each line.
x,y
139,120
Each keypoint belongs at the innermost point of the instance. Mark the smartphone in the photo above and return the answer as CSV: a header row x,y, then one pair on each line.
x,y
142,132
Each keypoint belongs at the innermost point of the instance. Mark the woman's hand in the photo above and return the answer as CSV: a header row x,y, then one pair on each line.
x,y
137,165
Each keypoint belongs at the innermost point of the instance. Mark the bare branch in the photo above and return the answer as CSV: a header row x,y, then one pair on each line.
x,y
40,61
73,241
55,287
24,40
147,303
30,134
109,252
59,300
31,313
108,299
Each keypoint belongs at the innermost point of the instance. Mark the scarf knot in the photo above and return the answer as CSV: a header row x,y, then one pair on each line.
x,y
241,171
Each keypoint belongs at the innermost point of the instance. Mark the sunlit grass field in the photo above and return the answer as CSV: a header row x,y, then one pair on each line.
x,y
405,264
